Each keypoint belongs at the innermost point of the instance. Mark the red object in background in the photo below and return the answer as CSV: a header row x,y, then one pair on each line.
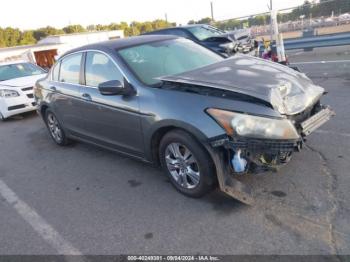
x,y
274,57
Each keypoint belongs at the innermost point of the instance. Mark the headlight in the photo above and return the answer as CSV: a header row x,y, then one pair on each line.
x,y
254,126
8,93
228,46
291,98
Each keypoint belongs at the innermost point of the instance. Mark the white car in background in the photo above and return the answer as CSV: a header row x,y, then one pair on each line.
x,y
17,80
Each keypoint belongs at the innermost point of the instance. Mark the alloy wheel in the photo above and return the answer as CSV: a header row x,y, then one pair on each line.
x,y
182,165
54,128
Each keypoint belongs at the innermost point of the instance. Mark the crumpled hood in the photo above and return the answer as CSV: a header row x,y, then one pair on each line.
x,y
287,90
21,81
223,38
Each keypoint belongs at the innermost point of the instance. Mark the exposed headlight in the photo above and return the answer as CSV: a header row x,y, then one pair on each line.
x,y
8,93
228,46
291,98
254,126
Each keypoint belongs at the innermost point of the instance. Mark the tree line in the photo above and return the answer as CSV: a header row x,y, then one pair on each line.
x,y
13,36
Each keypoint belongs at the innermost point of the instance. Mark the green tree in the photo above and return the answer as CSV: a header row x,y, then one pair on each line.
x,y
74,29
2,38
206,20
113,26
27,38
125,27
229,24
132,30
146,27
46,31
159,24
12,36
100,27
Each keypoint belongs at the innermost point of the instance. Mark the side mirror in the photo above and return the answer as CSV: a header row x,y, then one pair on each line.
x,y
111,88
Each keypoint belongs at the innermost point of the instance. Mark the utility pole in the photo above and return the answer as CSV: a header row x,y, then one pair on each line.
x,y
166,17
212,11
279,38
271,26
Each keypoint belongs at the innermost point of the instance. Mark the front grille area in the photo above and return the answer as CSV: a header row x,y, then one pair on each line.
x,y
264,145
27,88
30,95
15,107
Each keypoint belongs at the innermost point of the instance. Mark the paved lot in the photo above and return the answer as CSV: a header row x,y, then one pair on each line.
x,y
84,199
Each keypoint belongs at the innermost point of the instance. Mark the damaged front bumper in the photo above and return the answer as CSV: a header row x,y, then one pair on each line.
x,y
231,153
316,120
259,154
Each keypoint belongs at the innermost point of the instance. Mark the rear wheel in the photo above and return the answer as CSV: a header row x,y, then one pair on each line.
x,y
187,164
55,129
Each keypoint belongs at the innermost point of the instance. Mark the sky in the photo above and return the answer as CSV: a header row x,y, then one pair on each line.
x,y
34,14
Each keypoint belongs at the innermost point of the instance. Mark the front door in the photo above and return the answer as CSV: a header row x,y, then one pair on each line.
x,y
114,120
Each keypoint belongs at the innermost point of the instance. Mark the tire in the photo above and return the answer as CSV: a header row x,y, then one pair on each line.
x,y
55,129
186,162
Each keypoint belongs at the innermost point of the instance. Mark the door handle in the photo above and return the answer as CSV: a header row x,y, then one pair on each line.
x,y
53,88
86,96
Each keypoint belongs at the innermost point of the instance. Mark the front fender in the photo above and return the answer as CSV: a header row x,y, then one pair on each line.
x,y
163,126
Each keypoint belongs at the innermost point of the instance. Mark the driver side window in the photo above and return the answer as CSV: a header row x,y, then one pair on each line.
x,y
100,68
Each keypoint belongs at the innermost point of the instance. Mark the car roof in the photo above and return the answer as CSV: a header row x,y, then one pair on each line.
x,y
177,27
193,25
123,43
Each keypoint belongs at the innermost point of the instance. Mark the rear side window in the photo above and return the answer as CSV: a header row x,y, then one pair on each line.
x,y
56,71
100,68
70,69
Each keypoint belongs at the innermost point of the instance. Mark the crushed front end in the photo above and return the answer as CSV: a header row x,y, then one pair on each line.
x,y
255,153
269,147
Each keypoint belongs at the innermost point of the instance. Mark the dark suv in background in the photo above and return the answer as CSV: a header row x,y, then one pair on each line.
x,y
206,35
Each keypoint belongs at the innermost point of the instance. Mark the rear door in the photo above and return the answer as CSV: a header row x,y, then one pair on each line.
x,y
110,120
65,86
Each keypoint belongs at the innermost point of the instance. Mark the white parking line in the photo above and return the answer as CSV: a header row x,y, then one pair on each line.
x,y
47,232
321,62
299,53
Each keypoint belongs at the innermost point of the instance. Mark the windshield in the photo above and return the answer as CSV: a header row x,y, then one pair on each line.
x,y
170,57
12,71
204,32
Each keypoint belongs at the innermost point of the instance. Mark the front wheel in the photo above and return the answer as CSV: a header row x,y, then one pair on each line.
x,y
187,163
55,129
